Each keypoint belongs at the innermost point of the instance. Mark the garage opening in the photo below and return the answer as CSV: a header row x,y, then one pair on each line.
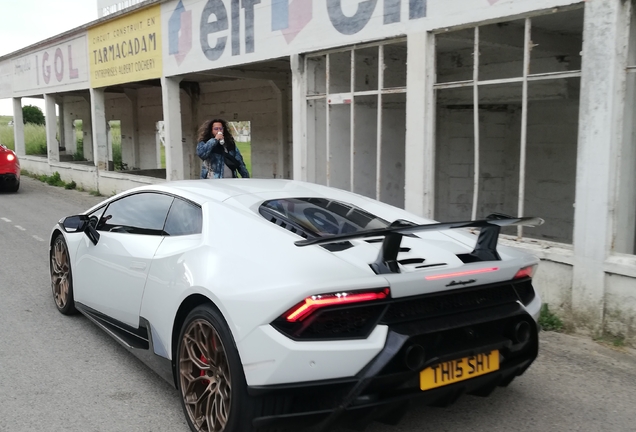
x,y
78,136
242,133
507,121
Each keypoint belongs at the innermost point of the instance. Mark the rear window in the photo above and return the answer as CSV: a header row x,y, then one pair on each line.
x,y
318,217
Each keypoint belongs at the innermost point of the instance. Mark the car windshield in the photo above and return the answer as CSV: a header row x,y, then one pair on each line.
x,y
320,216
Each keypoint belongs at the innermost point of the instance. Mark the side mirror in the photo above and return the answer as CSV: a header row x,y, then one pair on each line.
x,y
80,223
73,224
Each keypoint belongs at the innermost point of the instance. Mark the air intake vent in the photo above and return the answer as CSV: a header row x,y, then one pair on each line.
x,y
450,302
411,261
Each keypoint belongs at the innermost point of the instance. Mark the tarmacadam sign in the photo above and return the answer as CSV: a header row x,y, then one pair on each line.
x,y
59,67
127,49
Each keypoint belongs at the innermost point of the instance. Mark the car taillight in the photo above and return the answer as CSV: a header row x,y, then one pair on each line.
x,y
526,272
311,304
334,316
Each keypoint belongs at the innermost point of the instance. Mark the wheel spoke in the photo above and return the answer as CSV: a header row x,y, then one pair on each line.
x,y
205,377
212,347
193,356
60,273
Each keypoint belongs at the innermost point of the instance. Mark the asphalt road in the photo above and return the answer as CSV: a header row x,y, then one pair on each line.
x,y
64,374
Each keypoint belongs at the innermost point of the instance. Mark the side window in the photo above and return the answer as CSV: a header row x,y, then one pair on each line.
x,y
142,213
184,218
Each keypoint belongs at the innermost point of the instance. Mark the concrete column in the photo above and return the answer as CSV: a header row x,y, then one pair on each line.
x,y
70,138
61,120
286,123
175,168
625,231
420,125
279,167
87,129
195,165
299,119
18,127
53,148
133,98
600,128
100,135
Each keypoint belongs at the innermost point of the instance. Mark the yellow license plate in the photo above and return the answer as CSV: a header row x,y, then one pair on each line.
x,y
459,370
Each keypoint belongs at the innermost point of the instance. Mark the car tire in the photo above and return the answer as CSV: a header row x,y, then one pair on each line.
x,y
210,376
62,277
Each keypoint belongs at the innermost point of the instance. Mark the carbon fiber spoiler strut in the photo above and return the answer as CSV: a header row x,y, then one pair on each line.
x,y
386,262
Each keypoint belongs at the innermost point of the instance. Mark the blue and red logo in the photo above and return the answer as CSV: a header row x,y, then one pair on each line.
x,y
180,33
291,16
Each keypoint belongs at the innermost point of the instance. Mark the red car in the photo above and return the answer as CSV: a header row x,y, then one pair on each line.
x,y
9,169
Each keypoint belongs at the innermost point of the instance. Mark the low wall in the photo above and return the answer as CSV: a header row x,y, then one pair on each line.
x,y
86,176
553,281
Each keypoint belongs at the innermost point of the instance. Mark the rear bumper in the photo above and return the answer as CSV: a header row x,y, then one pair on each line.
x,y
383,389
9,179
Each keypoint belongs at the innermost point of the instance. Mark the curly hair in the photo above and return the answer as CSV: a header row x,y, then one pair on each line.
x,y
205,133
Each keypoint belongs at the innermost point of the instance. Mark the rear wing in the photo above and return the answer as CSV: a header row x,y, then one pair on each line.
x,y
485,248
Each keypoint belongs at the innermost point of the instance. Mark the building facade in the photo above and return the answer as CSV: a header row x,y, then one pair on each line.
x,y
452,109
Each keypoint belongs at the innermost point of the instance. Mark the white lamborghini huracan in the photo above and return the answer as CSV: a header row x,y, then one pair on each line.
x,y
274,304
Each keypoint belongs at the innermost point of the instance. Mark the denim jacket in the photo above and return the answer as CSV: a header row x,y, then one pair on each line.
x,y
212,153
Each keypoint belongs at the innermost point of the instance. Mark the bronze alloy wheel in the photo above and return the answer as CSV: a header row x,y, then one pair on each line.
x,y
204,375
60,273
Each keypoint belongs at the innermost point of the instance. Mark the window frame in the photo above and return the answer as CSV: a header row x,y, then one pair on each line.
x,y
524,79
155,192
352,94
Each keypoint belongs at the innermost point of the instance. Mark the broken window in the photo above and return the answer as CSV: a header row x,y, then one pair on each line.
x,y
356,119
507,121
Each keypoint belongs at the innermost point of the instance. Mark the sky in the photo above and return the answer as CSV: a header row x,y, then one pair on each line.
x,y
25,22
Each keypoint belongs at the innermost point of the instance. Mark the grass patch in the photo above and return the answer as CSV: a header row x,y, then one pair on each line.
x,y
246,151
6,136
549,321
34,138
53,180
616,341
115,133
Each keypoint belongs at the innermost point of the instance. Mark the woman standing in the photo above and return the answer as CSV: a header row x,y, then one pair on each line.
x,y
221,157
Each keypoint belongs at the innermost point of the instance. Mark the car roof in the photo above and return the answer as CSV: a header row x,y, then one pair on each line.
x,y
202,191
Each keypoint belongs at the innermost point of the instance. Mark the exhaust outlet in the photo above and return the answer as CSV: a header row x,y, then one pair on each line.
x,y
414,357
522,332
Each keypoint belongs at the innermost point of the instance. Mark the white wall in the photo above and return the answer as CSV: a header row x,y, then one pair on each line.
x,y
620,306
393,149
365,160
